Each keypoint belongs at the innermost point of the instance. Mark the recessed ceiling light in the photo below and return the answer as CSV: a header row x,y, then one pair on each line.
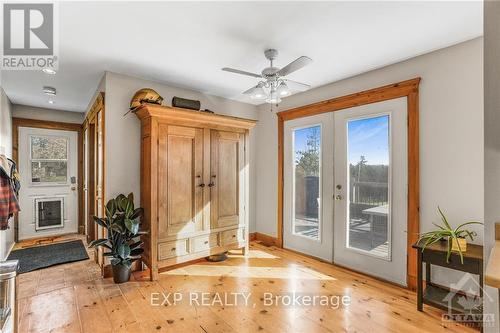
x,y
51,91
51,101
49,71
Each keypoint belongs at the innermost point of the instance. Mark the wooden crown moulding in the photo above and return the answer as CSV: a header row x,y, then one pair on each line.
x,y
384,93
203,119
56,125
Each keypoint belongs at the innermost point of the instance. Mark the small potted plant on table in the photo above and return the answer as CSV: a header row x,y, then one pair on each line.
x,y
456,237
123,244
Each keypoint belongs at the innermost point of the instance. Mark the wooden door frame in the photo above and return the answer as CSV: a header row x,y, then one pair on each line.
x,y
89,178
91,117
408,89
52,125
90,122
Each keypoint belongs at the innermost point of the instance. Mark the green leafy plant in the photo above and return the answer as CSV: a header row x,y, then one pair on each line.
x,y
122,224
446,232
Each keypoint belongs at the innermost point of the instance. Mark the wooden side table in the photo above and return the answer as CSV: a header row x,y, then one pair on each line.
x,y
435,295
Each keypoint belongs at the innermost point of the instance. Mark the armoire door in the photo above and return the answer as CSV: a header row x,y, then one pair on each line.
x,y
180,180
227,159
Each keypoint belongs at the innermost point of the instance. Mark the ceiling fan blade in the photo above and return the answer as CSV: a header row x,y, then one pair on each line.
x,y
249,91
295,65
298,86
237,71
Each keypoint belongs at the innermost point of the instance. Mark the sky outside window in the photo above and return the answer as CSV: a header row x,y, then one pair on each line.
x,y
369,138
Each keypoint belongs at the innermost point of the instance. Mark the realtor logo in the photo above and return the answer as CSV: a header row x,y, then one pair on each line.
x,y
467,307
29,36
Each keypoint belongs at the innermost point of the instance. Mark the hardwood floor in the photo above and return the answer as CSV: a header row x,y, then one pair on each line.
x,y
73,298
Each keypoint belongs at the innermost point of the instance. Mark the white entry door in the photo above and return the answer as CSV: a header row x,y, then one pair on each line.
x,y
48,196
308,186
371,189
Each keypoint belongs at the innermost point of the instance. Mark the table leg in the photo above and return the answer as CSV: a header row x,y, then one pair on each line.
x,y
427,273
419,282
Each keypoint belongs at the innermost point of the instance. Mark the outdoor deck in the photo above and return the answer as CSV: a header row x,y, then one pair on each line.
x,y
367,234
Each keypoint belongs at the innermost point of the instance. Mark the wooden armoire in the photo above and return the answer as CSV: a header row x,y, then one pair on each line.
x,y
194,184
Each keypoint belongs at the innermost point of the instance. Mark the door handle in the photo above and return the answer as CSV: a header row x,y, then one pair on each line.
x,y
212,183
202,185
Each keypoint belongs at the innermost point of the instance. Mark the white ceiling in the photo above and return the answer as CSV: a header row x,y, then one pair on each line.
x,y
186,44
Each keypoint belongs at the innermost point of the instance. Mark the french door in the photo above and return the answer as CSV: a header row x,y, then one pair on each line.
x,y
345,186
308,186
371,189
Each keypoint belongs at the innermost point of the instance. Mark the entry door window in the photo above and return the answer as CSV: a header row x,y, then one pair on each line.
x,y
307,182
49,159
368,222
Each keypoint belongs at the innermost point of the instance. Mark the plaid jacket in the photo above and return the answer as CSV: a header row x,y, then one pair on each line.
x,y
8,202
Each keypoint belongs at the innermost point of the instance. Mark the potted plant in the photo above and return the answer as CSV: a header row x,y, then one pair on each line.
x,y
122,225
456,238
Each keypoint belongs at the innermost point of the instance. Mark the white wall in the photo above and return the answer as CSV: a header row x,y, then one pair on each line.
x,y
6,236
123,133
451,134
31,112
491,141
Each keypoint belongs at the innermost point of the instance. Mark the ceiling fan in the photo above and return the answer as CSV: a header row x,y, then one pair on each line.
x,y
273,85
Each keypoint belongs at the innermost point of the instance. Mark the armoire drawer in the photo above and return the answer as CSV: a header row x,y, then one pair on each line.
x,y
232,236
205,242
172,249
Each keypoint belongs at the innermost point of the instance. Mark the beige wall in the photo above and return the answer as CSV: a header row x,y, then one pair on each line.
x,y
123,133
31,112
6,236
491,141
100,88
451,133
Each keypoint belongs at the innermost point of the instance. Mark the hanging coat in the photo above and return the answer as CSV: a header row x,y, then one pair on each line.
x,y
8,202
9,189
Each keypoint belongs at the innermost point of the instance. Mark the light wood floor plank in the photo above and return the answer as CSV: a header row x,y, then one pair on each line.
x,y
74,298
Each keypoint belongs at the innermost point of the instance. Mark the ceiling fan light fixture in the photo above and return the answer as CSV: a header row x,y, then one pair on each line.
x,y
283,89
273,85
258,93
273,98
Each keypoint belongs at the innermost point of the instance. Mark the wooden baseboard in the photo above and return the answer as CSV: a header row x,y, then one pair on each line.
x,y
46,240
265,239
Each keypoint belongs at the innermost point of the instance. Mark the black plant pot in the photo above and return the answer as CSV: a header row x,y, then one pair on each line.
x,y
121,273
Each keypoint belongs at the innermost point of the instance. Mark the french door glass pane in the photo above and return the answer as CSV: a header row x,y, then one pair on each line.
x,y
306,181
369,194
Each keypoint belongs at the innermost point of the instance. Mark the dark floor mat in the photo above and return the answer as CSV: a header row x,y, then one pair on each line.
x,y
38,257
